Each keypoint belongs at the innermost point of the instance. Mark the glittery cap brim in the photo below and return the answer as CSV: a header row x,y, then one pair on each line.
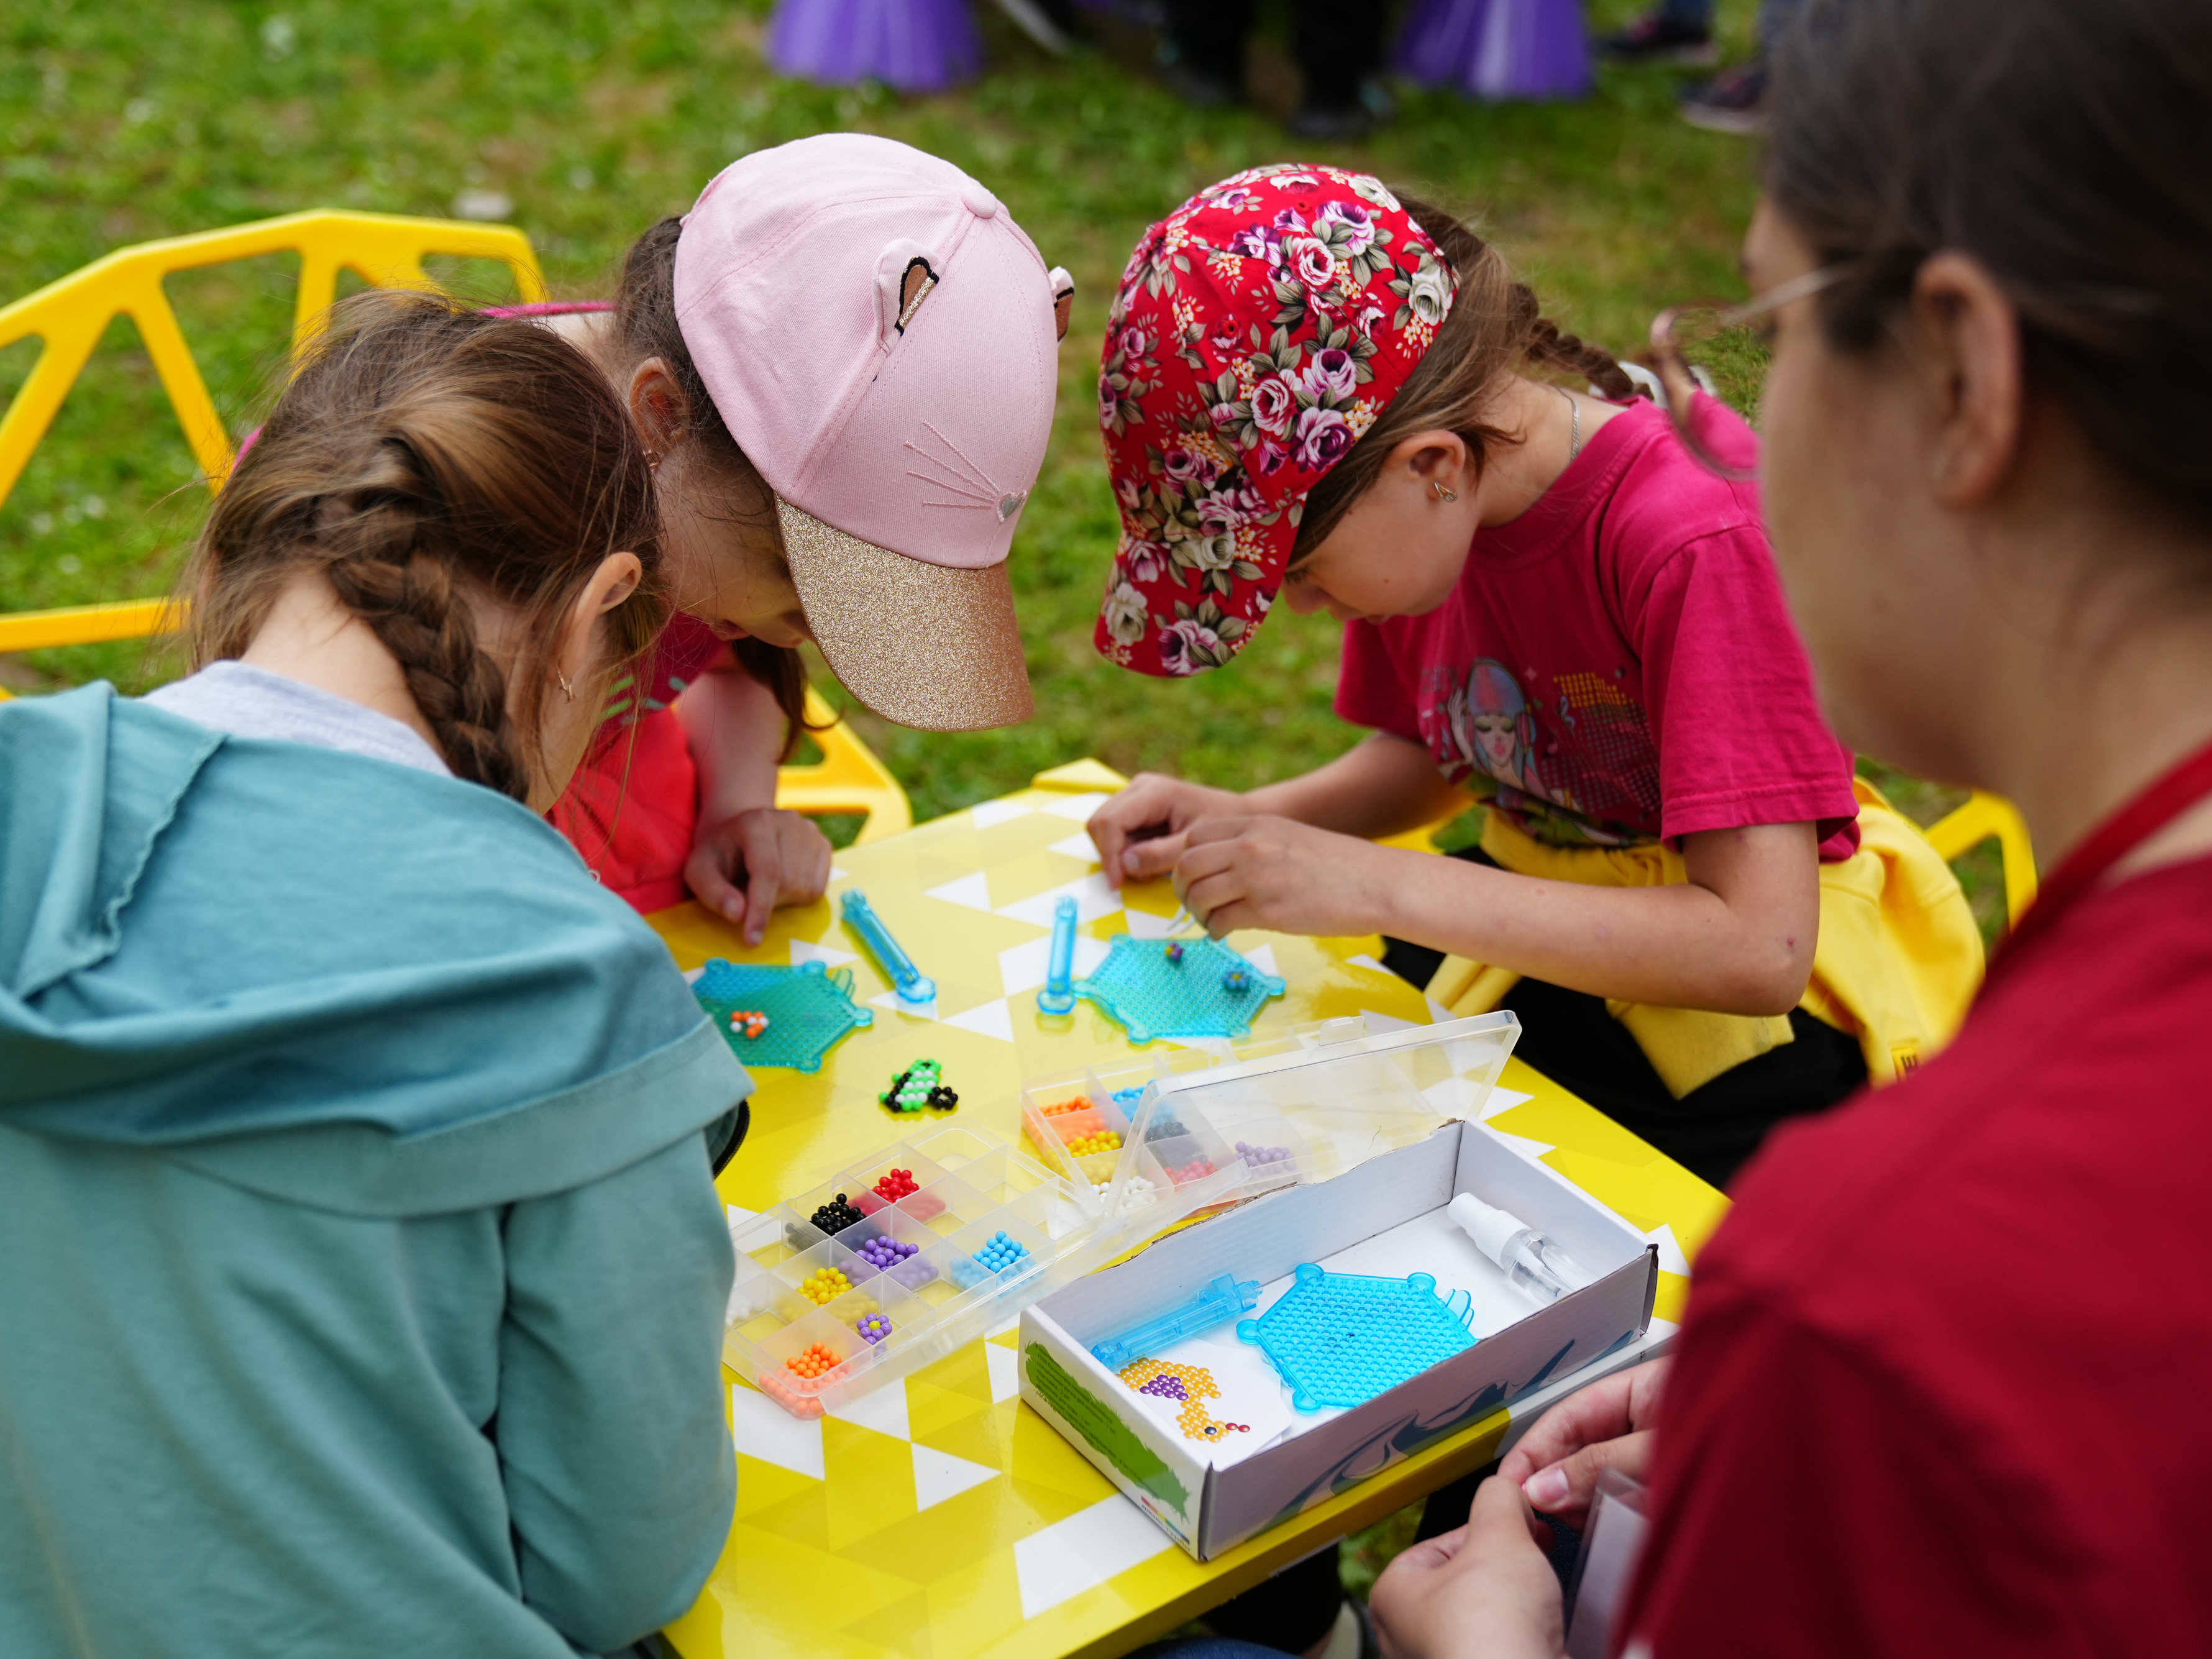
x,y
922,644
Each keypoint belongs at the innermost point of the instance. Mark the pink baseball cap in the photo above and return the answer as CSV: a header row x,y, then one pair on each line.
x,y
881,339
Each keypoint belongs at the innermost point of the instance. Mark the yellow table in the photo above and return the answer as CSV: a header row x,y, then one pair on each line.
x,y
939,1518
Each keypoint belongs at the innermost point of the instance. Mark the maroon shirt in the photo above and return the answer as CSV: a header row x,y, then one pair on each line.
x,y
1946,1382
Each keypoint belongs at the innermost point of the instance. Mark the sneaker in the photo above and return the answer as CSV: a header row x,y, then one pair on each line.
x,y
1733,100
1659,39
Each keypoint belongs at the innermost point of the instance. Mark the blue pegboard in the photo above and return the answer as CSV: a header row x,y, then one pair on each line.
x,y
1150,996
809,1009
1342,1338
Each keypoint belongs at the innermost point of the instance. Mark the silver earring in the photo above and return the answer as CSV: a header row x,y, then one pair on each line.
x,y
1443,493
567,689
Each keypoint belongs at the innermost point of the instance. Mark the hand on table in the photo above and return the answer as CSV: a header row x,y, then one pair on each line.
x,y
742,867
1286,877
1139,832
1605,1425
1484,1592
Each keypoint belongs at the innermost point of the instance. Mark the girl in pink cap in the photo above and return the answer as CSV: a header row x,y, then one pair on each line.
x,y
843,361
1313,387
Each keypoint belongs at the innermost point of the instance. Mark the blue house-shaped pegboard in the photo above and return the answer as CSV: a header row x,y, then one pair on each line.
x,y
809,1009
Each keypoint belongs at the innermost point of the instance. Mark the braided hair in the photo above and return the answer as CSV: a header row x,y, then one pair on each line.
x,y
1495,327
428,462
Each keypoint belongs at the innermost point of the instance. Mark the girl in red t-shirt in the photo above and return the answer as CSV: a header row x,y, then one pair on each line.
x,y
1550,607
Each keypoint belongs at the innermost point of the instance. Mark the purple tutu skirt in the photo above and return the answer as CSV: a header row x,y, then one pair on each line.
x,y
915,45
1497,48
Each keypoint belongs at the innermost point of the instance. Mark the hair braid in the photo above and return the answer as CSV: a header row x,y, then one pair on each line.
x,y
433,465
386,573
1550,348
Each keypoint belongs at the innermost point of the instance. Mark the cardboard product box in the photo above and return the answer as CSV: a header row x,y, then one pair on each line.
x,y
1212,1448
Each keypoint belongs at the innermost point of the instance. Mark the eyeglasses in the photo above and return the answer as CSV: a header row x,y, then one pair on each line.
x,y
1722,351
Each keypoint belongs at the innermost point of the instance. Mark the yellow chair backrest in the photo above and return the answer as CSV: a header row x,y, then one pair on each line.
x,y
1987,817
70,316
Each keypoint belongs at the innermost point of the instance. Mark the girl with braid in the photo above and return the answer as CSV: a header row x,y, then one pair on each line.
x,y
356,1146
1317,388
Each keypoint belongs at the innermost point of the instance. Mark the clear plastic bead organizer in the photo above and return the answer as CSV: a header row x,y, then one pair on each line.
x,y
955,1233
1209,1125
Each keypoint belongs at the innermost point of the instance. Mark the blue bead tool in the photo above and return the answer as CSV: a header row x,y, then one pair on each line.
x,y
1058,996
1218,1303
906,979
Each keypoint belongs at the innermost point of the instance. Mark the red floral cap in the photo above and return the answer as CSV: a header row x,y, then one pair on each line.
x,y
1259,330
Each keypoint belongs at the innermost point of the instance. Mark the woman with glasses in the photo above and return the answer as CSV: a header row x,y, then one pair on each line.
x,y
1554,607
1941,1386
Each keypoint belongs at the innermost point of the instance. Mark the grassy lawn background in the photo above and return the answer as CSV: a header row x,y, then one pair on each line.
x,y
124,120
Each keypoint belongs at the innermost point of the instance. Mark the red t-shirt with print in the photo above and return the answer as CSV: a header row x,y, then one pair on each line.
x,y
1616,664
1942,1381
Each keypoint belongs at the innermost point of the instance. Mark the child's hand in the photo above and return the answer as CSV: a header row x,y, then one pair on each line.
x,y
1139,832
1284,876
742,867
1605,1425
1485,1589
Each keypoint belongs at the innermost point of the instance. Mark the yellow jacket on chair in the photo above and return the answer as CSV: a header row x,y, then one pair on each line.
x,y
1898,962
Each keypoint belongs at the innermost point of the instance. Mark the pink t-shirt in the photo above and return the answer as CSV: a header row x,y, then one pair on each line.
x,y
1615,665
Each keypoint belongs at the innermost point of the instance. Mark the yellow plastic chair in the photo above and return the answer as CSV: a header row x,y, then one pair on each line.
x,y
70,316
1987,818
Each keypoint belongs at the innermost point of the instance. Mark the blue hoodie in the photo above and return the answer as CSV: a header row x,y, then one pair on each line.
x,y
364,1272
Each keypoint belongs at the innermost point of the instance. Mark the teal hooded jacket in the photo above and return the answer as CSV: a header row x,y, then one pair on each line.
x,y
361,1272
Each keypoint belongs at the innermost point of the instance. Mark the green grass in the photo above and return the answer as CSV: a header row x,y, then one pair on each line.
x,y
125,120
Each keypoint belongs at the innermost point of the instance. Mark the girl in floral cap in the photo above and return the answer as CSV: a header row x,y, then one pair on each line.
x,y
1313,388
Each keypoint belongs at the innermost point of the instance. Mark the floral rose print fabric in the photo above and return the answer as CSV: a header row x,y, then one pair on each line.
x,y
1259,329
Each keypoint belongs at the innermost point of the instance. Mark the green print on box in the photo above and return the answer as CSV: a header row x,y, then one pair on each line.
x,y
1108,1436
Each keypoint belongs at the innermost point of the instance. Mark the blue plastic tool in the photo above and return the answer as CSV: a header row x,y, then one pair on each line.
x,y
906,979
1152,994
1342,1338
1218,1303
809,1010
1058,996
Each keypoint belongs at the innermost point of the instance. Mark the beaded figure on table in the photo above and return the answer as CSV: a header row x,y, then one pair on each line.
x,y
921,1085
1191,1385
1342,1338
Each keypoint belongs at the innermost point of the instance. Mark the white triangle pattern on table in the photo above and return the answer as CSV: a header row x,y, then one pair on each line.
x,y
763,1429
1005,1365
1093,899
1076,846
892,1000
1503,1100
1091,1546
1262,957
1672,1258
1077,807
1025,966
990,813
829,956
991,1019
971,891
1437,1012
882,1408
1363,960
1143,924
938,1475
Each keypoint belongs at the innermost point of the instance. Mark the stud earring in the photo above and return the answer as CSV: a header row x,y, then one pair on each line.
x,y
1443,493
567,689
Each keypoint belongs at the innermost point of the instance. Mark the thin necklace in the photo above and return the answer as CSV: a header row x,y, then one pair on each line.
x,y
1574,428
